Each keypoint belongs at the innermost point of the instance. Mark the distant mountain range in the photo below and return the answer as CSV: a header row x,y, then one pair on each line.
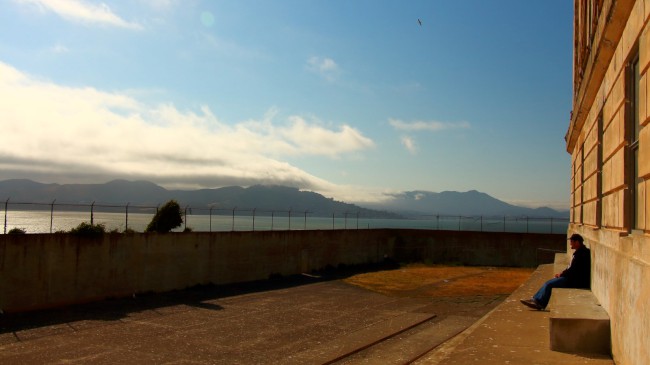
x,y
460,203
264,197
144,193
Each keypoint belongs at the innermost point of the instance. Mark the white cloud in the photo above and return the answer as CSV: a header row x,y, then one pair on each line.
x,y
91,135
557,204
315,139
410,145
432,126
326,67
81,11
59,48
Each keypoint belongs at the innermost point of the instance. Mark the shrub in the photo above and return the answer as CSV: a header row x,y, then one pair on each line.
x,y
117,231
167,218
87,229
17,231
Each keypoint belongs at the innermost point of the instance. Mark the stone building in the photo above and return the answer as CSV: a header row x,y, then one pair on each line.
x,y
609,142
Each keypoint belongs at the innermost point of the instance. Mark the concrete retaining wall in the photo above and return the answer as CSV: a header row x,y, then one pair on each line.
x,y
48,270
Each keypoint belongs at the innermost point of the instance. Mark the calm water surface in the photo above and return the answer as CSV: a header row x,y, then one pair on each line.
x,y
46,222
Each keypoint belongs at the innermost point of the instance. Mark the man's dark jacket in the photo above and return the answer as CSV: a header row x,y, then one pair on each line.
x,y
579,271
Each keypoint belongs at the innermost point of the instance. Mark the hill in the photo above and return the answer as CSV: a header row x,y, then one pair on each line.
x,y
144,193
460,203
266,198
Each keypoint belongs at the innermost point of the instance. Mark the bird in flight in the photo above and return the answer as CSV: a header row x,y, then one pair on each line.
x,y
420,22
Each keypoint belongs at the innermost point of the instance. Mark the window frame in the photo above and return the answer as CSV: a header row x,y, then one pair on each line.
x,y
632,130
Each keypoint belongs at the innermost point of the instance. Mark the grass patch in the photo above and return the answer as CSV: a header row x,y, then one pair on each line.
x,y
420,280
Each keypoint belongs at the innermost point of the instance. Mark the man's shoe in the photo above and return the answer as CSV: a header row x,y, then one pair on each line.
x,y
532,303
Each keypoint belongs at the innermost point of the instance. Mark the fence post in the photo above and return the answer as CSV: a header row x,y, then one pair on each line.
x,y
51,214
254,219
504,223
481,223
211,219
551,224
345,224
126,223
272,214
127,214
6,203
92,209
526,224
289,218
332,220
459,219
233,219
357,219
185,220
305,228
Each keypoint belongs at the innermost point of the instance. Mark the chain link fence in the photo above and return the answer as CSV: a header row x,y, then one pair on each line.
x,y
60,217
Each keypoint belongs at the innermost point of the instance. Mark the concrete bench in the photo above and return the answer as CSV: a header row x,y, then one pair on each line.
x,y
578,323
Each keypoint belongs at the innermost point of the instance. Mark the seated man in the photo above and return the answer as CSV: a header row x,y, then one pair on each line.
x,y
576,275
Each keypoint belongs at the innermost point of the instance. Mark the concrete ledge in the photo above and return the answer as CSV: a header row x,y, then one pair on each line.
x,y
578,324
561,261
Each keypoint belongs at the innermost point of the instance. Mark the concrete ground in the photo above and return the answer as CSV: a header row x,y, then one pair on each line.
x,y
304,320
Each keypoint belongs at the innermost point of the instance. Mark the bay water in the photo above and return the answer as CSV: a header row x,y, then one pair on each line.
x,y
35,221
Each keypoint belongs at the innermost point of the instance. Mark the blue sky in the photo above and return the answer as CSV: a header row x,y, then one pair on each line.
x,y
353,99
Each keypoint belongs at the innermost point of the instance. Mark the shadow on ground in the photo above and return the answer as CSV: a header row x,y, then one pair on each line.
x,y
115,309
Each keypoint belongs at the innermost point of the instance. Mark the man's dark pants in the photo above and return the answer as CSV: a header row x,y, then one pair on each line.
x,y
543,295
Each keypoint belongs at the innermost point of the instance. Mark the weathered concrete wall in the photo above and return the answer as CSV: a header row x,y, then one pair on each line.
x,y
610,191
478,248
48,270
620,271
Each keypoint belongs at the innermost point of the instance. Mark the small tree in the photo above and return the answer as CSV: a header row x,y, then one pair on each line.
x,y
17,231
167,218
87,229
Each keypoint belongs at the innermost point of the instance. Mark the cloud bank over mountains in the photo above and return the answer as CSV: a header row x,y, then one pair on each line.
x,y
84,133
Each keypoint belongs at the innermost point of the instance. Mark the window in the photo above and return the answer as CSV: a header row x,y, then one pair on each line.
x,y
599,173
582,184
632,137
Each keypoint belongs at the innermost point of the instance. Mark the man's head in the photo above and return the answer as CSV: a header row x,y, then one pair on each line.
x,y
576,241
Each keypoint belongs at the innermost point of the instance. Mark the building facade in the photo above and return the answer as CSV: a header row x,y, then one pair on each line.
x,y
609,142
